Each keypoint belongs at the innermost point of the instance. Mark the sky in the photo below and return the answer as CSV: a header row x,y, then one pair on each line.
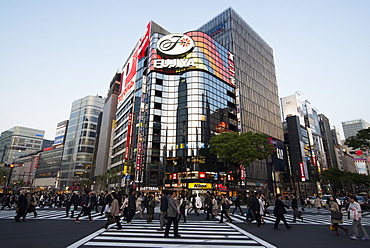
x,y
55,52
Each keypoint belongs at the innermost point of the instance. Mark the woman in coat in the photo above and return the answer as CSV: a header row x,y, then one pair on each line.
x,y
334,208
150,211
114,212
318,203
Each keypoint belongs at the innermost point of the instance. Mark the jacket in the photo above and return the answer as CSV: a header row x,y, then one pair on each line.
x,y
164,204
294,203
172,208
280,207
114,209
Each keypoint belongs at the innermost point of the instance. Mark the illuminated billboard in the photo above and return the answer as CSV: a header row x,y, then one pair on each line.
x,y
175,53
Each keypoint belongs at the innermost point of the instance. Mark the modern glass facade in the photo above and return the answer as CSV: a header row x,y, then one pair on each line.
x,y
171,105
350,128
19,141
79,142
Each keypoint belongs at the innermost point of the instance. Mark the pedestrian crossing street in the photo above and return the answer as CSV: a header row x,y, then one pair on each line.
x,y
195,234
310,217
51,214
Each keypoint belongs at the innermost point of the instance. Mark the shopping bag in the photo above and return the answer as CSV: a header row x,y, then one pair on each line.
x,y
107,209
336,215
353,214
72,208
332,228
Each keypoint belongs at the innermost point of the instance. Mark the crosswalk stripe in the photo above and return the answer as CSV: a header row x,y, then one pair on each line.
x,y
195,234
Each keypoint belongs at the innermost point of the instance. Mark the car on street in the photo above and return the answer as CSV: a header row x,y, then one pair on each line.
x,y
363,202
324,199
311,200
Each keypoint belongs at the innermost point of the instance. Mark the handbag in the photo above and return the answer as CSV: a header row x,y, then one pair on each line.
x,y
297,213
72,208
111,220
332,228
336,215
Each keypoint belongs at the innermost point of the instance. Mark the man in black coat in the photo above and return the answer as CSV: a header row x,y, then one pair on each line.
x,y
250,216
237,204
21,206
279,212
164,208
208,205
296,213
131,208
72,200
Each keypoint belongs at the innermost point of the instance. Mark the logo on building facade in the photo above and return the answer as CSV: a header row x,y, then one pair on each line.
x,y
175,45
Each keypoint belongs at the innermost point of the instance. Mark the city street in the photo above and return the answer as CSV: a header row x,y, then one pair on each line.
x,y
50,229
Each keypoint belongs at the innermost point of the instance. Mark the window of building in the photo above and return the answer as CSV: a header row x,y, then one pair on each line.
x,y
157,105
159,81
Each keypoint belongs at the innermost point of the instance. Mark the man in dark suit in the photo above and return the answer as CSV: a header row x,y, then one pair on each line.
x,y
172,213
86,206
21,206
72,200
131,208
164,208
279,212
208,205
296,213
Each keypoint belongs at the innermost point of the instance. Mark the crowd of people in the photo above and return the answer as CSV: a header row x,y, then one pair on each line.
x,y
118,207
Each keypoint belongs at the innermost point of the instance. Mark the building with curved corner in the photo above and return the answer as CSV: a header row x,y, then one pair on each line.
x,y
180,89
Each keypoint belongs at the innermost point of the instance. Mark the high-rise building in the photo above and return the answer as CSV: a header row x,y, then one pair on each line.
x,y
179,90
350,128
49,162
104,132
328,140
19,141
79,142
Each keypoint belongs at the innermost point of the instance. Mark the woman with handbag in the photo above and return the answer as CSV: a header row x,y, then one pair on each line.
x,y
114,213
336,216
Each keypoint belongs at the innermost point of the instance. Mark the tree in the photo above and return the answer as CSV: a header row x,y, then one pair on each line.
x,y
360,141
244,148
3,176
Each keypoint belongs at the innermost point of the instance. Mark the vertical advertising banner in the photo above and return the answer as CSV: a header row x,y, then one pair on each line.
x,y
128,76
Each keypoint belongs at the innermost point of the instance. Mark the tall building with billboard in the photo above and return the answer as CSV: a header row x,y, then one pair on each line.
x,y
79,142
180,89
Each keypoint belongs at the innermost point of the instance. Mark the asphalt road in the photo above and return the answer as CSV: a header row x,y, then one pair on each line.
x,y
36,232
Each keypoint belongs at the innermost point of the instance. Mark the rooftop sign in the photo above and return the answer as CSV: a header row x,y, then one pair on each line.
x,y
175,45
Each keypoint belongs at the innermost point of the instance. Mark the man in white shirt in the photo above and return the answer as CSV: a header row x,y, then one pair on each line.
x,y
355,213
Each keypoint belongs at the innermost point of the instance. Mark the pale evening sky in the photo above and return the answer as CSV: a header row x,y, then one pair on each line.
x,y
55,52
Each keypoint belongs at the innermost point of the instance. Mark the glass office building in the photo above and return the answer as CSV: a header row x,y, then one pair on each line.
x,y
79,142
179,90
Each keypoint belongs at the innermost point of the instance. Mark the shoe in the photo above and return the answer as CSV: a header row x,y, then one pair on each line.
x,y
160,230
120,228
275,228
77,221
294,221
261,226
91,220
289,227
353,237
66,216
166,236
335,234
221,222
177,236
365,238
128,223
